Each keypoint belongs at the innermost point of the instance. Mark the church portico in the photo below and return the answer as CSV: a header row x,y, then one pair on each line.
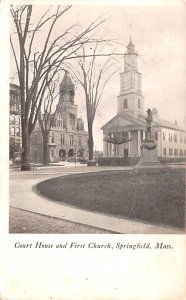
x,y
132,140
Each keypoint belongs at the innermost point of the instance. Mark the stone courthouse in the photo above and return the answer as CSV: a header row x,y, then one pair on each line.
x,y
130,122
15,140
67,138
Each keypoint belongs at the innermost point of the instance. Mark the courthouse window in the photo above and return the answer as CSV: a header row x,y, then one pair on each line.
x,y
170,137
181,152
164,136
175,152
139,104
170,151
62,139
125,103
164,151
52,138
71,139
175,138
80,139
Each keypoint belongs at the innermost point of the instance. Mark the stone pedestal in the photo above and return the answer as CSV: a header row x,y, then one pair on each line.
x,y
91,163
148,157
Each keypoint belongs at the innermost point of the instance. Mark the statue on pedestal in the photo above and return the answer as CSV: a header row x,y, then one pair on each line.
x,y
149,156
149,120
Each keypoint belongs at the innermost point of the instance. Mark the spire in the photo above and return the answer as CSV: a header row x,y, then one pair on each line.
x,y
67,89
66,82
130,47
130,42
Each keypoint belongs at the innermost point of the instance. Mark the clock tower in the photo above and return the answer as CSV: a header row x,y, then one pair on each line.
x,y
66,107
130,100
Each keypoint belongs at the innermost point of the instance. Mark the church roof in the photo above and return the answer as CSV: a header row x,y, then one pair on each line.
x,y
167,124
124,121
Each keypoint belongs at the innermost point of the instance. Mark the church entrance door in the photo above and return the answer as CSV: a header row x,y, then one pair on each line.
x,y
126,153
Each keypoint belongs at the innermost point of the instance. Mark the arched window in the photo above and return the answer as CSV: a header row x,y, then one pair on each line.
x,y
35,138
139,103
125,105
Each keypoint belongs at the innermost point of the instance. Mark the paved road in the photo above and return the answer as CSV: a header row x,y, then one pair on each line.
x,y
23,197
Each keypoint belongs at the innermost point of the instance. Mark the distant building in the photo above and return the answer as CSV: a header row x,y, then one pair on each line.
x,y
15,121
130,119
67,138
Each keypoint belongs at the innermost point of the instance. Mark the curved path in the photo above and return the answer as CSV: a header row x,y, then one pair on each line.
x,y
22,196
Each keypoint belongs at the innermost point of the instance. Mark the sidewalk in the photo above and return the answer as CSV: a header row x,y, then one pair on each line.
x,y
22,196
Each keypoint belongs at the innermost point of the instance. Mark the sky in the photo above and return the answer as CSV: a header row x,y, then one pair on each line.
x,y
158,33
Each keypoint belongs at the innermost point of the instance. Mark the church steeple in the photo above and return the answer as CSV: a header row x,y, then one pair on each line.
x,y
130,100
130,57
131,47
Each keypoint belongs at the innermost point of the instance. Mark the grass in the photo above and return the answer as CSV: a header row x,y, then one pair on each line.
x,y
157,198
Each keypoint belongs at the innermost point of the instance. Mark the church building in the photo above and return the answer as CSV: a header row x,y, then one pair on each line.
x,y
130,124
67,138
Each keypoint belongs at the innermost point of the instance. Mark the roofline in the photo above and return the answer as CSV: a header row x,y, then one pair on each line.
x,y
141,95
169,127
137,123
122,116
14,85
108,122
130,72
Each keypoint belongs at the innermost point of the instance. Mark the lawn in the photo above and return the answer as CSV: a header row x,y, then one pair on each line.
x,y
157,198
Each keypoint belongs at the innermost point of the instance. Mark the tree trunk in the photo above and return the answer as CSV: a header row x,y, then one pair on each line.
x,y
90,141
45,149
25,157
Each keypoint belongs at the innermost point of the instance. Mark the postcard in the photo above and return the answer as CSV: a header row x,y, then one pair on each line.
x,y
93,148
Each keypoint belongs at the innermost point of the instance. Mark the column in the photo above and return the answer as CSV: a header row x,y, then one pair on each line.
x,y
144,135
104,149
139,142
115,150
129,135
110,146
118,154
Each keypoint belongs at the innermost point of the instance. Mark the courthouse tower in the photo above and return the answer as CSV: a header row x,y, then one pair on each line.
x,y
67,107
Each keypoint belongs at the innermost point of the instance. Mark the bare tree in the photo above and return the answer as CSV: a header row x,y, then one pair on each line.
x,y
47,115
94,71
34,67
